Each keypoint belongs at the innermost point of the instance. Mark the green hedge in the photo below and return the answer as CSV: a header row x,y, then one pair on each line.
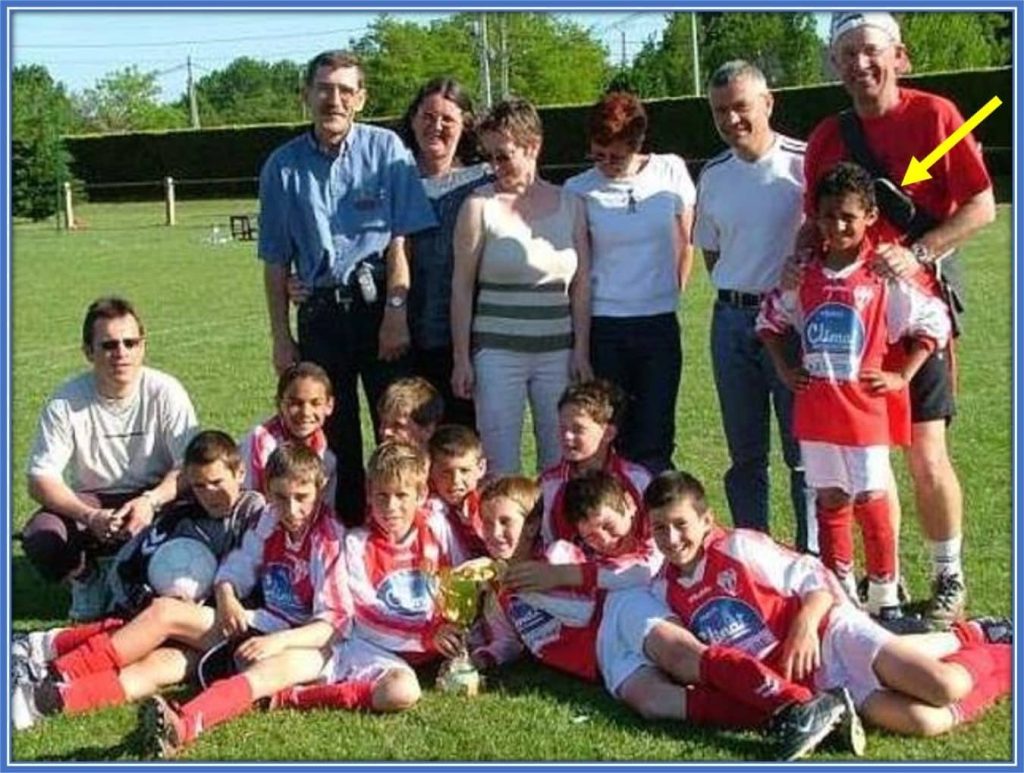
x,y
683,125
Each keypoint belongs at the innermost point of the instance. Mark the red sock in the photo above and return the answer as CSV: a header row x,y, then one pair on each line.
x,y
990,688
708,706
746,679
879,540
355,694
96,654
967,632
224,700
72,638
92,691
835,537
976,659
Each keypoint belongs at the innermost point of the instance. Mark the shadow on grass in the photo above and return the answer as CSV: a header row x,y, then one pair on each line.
x,y
32,597
531,677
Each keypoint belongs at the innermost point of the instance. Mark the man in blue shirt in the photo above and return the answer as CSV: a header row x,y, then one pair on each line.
x,y
335,205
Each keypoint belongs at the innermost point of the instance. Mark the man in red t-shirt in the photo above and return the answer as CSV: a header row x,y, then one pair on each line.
x,y
898,123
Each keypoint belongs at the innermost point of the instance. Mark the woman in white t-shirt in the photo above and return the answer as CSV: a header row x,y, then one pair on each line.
x,y
639,213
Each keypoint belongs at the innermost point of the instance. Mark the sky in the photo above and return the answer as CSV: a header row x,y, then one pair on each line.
x,y
80,47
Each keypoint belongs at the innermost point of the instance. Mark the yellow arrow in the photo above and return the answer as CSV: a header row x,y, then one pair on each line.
x,y
918,170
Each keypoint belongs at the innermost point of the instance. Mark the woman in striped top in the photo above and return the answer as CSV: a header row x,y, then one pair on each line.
x,y
520,293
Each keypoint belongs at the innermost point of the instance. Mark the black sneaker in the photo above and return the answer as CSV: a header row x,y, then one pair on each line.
x,y
997,630
800,727
892,619
949,597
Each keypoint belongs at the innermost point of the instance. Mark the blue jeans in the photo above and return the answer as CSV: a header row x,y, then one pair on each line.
x,y
644,356
747,387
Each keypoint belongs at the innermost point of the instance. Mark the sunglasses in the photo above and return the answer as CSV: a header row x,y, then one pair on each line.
x,y
112,344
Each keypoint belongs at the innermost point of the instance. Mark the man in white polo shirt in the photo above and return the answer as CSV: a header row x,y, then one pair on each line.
x,y
106,456
749,209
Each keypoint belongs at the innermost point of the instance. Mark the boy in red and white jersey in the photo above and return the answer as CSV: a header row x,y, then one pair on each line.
x,y
305,399
739,589
295,555
457,465
628,640
390,564
851,401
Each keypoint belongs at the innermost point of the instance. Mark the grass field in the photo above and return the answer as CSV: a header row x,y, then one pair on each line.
x,y
203,308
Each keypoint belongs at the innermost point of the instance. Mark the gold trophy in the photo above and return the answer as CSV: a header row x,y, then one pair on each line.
x,y
456,592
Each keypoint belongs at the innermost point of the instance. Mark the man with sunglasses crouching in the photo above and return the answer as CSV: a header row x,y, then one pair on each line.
x,y
105,458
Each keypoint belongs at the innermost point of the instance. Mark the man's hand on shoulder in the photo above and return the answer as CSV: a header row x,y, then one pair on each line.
x,y
893,261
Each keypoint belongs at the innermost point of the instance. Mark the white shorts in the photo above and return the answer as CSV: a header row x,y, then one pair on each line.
x,y
849,647
629,615
356,659
853,469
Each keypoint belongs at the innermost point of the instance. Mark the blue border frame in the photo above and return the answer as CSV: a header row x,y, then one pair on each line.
x,y
9,6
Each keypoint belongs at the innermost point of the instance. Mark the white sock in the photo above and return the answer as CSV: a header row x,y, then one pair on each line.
x,y
882,594
946,557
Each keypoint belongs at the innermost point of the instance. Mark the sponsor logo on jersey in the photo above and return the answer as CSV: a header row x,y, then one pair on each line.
x,y
279,591
406,593
536,627
734,623
833,341
153,540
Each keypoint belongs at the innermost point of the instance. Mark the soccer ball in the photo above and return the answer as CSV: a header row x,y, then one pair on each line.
x,y
182,568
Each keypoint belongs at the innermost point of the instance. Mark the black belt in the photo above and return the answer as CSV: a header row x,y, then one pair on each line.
x,y
341,294
739,300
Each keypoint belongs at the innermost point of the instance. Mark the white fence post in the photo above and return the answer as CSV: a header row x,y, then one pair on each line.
x,y
169,199
69,210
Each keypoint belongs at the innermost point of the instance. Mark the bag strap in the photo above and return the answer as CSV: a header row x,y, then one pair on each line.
x,y
852,131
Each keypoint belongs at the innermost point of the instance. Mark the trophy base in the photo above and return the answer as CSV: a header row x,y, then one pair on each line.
x,y
459,676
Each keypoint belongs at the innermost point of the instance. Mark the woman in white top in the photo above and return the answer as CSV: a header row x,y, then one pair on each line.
x,y
520,293
639,213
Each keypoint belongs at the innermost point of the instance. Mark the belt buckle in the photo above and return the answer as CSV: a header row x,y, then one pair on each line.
x,y
342,298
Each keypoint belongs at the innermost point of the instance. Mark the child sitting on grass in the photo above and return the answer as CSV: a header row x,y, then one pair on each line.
x,y
740,589
294,554
457,466
112,661
305,400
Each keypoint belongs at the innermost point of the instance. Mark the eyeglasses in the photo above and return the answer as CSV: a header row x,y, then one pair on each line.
x,y
446,121
326,90
112,344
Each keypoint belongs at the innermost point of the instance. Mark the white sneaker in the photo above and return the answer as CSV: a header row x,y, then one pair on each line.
x,y
24,713
28,655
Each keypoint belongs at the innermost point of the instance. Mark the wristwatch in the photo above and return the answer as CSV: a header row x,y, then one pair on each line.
x,y
922,254
396,301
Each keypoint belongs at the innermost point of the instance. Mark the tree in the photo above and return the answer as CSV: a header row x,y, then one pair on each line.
x,y
955,41
249,91
784,45
126,100
40,113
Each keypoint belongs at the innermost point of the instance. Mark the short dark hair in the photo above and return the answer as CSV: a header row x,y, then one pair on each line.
x,y
336,60
594,489
452,440
672,486
619,116
213,445
109,307
304,369
847,178
449,88
600,399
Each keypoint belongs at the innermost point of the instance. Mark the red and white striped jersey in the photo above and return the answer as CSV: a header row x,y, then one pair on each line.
x,y
847,321
600,571
391,583
745,590
558,627
303,578
465,522
263,440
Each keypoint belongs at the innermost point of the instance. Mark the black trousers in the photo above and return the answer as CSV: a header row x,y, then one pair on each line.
x,y
341,336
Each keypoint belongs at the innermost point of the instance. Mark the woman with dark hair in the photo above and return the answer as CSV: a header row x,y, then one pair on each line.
x,y
439,128
639,213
